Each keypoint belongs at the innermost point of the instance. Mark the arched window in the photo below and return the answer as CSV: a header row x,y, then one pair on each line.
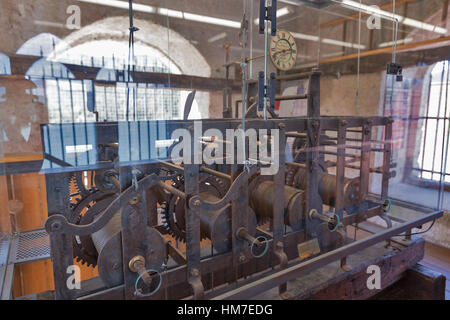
x,y
66,98
433,161
117,96
42,45
419,106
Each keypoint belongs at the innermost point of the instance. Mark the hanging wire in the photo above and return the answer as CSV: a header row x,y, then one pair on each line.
x,y
251,39
394,33
131,60
244,81
268,25
358,62
168,62
394,54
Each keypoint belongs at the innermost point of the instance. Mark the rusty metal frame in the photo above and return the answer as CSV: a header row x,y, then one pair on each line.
x,y
190,279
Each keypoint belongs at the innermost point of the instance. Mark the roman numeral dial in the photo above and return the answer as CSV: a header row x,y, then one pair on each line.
x,y
283,50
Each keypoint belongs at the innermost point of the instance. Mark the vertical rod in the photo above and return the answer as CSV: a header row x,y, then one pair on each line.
x,y
358,63
438,120
73,121
251,40
365,161
386,161
244,78
445,142
266,59
340,169
426,125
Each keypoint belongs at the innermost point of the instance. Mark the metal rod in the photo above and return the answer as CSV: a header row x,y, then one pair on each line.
x,y
293,272
426,122
172,166
216,173
172,190
437,121
266,60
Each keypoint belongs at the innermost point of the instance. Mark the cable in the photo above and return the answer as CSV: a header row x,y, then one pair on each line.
x,y
358,63
421,232
244,81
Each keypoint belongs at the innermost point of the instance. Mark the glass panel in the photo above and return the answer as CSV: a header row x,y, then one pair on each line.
x,y
92,92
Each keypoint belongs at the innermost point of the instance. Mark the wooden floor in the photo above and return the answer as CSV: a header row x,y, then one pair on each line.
x,y
438,259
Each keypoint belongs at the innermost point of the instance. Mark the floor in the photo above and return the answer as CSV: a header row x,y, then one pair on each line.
x,y
438,259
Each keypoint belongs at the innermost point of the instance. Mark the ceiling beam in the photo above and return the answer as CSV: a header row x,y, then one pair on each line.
x,y
386,50
21,63
356,15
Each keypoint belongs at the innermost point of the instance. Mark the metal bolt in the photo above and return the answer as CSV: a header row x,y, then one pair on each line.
x,y
195,272
134,200
281,126
56,226
137,264
242,258
197,202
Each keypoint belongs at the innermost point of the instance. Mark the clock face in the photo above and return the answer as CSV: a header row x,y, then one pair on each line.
x,y
283,50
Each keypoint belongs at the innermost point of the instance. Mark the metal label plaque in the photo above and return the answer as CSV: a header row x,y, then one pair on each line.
x,y
308,248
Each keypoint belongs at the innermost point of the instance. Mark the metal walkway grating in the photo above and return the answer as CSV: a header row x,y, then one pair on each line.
x,y
30,246
4,248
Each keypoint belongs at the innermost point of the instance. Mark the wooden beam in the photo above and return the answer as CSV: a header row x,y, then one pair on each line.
x,y
377,63
356,15
21,157
329,282
386,50
418,283
21,63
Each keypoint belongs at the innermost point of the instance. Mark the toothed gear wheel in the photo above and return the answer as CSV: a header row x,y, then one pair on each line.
x,y
83,252
77,180
173,217
90,202
86,208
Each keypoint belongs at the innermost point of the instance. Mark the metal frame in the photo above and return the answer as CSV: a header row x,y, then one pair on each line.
x,y
191,277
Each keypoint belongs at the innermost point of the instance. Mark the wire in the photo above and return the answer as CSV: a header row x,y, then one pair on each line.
x,y
358,63
421,232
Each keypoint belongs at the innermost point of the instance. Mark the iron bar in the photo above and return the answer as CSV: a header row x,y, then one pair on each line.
x,y
295,271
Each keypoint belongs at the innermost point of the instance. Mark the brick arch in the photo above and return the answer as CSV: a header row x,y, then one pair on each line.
x,y
178,50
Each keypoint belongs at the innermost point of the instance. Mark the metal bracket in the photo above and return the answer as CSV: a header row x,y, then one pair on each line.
x,y
268,13
266,91
396,70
